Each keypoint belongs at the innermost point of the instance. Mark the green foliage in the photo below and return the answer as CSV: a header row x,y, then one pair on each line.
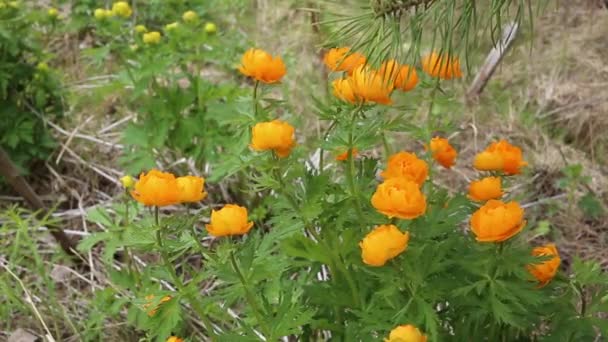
x,y
29,89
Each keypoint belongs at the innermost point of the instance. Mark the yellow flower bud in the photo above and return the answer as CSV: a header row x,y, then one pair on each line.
x,y
141,29
134,47
190,16
53,12
100,14
13,4
171,27
151,37
42,67
210,28
122,9
127,181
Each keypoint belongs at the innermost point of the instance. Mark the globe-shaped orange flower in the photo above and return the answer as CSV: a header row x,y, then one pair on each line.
x,y
370,86
406,165
344,155
500,156
485,189
406,333
341,59
343,89
399,197
191,188
175,339
546,270
156,189
404,77
274,135
497,221
230,220
261,66
443,152
442,66
383,244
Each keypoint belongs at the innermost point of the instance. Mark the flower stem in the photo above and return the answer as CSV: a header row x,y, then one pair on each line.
x,y
350,170
255,99
178,282
321,153
251,298
128,254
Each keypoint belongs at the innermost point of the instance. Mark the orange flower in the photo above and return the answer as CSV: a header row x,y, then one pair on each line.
x,y
149,302
261,66
274,135
404,77
175,339
343,89
444,66
382,244
443,152
406,333
406,165
500,156
399,197
546,270
497,221
369,85
156,188
339,59
230,220
191,188
344,155
485,189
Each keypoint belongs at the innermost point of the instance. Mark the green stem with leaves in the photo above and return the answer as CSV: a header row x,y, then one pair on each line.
x,y
255,99
128,253
178,282
259,314
321,152
350,170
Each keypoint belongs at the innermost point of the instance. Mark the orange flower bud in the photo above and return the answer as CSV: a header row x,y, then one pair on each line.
x,y
175,339
261,66
443,152
339,59
191,188
230,220
444,66
399,197
156,188
150,300
344,155
343,89
485,189
406,333
404,77
369,86
274,135
500,156
382,244
406,165
497,221
546,270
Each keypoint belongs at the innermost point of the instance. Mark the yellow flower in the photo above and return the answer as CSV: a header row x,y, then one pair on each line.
x,y
101,14
497,221
339,59
382,244
546,270
343,90
127,181
171,27
191,188
151,37
261,66
406,165
443,152
141,29
404,77
210,28
406,333
370,86
174,339
485,189
274,135
53,12
190,16
156,189
122,9
230,220
399,197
